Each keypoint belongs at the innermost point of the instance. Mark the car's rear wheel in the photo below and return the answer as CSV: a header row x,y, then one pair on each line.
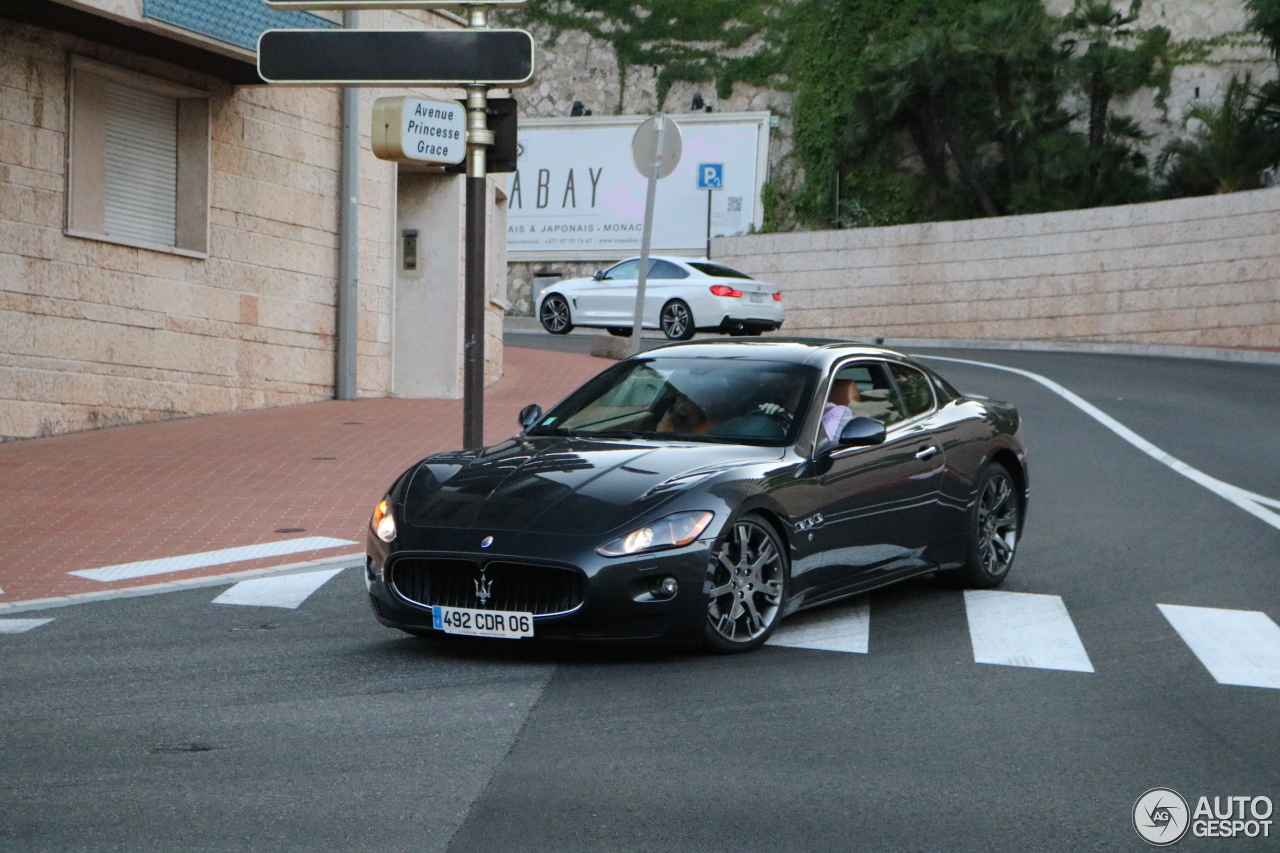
x,y
747,586
620,331
676,320
555,316
994,528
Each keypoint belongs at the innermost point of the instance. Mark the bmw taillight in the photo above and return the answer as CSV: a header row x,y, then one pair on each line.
x,y
777,297
724,290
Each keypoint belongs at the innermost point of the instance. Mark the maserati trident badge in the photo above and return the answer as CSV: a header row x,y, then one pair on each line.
x,y
483,585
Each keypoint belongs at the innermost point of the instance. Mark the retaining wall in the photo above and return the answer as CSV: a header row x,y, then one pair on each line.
x,y
1200,271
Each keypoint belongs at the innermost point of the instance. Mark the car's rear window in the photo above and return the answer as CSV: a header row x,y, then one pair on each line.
x,y
718,270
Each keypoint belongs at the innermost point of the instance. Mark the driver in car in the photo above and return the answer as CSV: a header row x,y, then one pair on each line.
x,y
836,413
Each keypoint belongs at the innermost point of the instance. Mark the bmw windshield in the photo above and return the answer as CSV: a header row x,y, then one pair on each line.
x,y
735,401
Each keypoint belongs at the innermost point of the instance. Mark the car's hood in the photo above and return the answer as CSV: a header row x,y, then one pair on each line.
x,y
574,486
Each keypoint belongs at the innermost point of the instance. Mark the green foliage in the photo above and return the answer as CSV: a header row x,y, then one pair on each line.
x,y
1264,19
680,39
1235,143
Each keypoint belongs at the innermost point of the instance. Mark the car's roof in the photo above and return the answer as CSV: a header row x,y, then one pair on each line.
x,y
798,350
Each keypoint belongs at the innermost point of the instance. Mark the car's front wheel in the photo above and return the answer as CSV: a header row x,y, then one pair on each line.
x,y
676,320
746,586
994,528
554,315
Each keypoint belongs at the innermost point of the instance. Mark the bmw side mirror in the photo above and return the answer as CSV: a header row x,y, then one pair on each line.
x,y
861,432
530,415
598,276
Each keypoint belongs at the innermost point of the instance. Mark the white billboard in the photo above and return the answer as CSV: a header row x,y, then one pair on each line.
x,y
577,195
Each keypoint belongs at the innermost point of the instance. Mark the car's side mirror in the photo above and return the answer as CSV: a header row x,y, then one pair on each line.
x,y
599,276
530,415
861,432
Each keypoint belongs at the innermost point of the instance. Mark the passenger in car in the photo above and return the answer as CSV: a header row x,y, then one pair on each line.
x,y
835,414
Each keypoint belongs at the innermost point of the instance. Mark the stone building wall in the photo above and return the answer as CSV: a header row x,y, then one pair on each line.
x,y
95,333
1197,271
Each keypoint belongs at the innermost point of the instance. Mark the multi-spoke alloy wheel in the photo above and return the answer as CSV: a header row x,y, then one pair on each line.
x,y
676,321
994,535
555,315
747,586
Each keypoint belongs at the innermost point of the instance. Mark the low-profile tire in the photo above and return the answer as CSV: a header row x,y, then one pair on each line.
x,y
620,331
676,320
554,315
995,524
746,588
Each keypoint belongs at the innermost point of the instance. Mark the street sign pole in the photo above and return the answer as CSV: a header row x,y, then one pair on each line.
x,y
660,125
479,138
709,224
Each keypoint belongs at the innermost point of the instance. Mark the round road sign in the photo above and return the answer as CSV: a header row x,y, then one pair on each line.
x,y
644,146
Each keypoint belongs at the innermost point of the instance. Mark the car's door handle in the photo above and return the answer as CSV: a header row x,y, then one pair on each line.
x,y
926,453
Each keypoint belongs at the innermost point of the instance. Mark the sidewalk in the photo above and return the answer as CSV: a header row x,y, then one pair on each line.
x,y
174,488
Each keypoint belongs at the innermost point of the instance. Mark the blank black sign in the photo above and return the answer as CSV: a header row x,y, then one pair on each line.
x,y
391,57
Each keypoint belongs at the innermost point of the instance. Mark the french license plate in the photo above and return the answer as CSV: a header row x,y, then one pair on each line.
x,y
757,297
504,624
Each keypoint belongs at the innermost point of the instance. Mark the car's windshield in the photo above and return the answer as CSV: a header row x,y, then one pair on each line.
x,y
734,400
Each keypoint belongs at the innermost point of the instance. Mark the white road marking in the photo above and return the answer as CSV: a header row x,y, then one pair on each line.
x,y
286,591
17,626
186,562
1236,646
1251,502
838,628
1023,629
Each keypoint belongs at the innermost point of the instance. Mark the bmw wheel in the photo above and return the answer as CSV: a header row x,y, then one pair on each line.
x,y
555,315
994,528
676,320
746,586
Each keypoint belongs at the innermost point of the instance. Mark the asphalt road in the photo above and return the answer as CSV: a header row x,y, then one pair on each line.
x,y
170,723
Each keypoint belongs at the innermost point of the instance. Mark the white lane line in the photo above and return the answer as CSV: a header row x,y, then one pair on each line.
x,y
186,562
1236,646
286,591
1250,502
1023,629
839,628
17,626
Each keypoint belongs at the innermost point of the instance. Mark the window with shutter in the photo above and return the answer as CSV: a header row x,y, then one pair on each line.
x,y
139,160
140,186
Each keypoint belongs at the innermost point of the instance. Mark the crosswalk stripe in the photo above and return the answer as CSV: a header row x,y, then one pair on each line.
x,y
1240,647
1023,629
17,626
286,591
143,568
832,629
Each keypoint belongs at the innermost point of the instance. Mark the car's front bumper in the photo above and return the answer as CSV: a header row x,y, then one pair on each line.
x,y
617,601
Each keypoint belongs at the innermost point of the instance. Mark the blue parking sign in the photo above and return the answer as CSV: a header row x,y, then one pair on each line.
x,y
711,176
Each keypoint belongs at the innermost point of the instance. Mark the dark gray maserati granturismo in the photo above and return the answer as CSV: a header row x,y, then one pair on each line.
x,y
701,492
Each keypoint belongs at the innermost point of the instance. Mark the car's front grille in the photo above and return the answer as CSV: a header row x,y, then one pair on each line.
x,y
521,587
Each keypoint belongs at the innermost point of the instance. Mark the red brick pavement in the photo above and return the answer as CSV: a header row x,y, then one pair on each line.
x,y
165,489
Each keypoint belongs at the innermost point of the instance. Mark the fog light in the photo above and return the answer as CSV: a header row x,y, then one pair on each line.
x,y
668,586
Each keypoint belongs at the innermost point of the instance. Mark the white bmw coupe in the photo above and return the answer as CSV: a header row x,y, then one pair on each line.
x,y
681,297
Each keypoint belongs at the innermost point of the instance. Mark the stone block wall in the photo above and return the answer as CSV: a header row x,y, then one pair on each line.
x,y
94,333
1198,271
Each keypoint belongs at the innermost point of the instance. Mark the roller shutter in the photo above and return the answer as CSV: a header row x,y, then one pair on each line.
x,y
141,177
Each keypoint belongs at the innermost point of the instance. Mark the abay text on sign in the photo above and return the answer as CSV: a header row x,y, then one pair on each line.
x,y
419,130
576,194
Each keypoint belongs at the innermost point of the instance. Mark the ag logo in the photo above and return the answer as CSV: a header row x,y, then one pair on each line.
x,y
1160,817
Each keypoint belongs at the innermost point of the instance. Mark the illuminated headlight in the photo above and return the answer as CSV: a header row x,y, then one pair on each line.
x,y
674,530
382,524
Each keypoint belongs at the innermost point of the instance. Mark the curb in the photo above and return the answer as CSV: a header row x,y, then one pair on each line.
x,y
345,561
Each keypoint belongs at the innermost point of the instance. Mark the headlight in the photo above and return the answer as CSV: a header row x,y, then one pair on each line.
x,y
674,530
382,524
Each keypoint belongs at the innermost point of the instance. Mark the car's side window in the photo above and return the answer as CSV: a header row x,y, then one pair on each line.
x,y
914,389
864,388
666,269
625,270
